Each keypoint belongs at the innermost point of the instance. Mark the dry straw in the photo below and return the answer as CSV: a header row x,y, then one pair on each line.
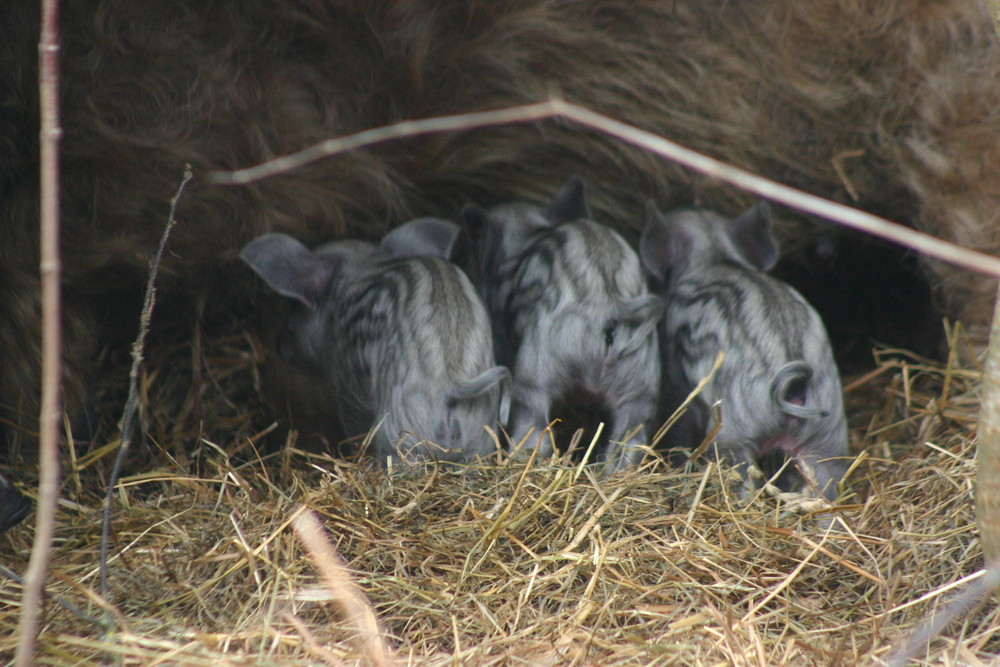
x,y
503,562
514,562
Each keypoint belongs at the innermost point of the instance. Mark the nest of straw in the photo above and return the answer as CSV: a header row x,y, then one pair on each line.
x,y
503,561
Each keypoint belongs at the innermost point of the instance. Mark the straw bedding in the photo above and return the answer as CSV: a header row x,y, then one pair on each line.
x,y
507,561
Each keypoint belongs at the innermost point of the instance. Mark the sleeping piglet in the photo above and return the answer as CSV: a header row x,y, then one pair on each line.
x,y
778,384
572,316
396,335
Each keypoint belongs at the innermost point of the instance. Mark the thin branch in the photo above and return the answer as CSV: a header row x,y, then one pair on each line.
x,y
407,128
354,606
959,607
128,415
51,274
988,445
65,604
745,180
703,164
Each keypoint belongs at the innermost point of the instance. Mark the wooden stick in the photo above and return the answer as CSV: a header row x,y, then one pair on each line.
x,y
131,403
49,416
353,603
703,164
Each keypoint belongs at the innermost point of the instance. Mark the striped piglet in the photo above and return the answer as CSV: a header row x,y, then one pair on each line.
x,y
396,335
572,316
778,384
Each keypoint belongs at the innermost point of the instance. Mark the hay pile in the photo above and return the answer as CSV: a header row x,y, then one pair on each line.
x,y
505,563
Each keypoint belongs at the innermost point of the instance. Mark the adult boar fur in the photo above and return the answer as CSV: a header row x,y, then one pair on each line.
x,y
395,337
777,385
902,97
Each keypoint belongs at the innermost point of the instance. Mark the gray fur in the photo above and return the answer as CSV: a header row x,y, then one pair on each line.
x,y
399,340
151,86
778,385
571,312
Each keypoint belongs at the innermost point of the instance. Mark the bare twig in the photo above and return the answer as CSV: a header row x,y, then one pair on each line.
x,y
65,604
353,604
988,446
49,417
745,180
378,135
958,607
133,381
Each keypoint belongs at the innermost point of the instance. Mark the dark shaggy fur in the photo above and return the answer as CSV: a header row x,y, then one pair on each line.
x,y
906,96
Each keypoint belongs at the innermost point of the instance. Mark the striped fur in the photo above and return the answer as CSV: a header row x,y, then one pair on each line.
x,y
571,314
778,385
403,344
897,111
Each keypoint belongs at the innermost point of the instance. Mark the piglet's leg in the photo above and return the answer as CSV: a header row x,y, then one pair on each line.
x,y
624,453
529,410
743,459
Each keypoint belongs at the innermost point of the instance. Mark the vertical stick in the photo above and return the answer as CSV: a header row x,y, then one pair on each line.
x,y
988,448
48,486
132,402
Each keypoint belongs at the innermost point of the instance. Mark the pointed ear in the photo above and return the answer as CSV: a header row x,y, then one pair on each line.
x,y
752,237
421,237
288,267
662,243
570,203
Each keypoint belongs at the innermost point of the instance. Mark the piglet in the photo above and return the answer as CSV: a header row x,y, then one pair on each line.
x,y
395,334
778,384
572,316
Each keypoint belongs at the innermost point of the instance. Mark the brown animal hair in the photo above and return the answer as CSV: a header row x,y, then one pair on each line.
x,y
902,98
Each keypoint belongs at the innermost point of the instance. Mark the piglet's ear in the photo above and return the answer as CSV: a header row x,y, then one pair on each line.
x,y
662,244
752,237
570,203
421,237
288,267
